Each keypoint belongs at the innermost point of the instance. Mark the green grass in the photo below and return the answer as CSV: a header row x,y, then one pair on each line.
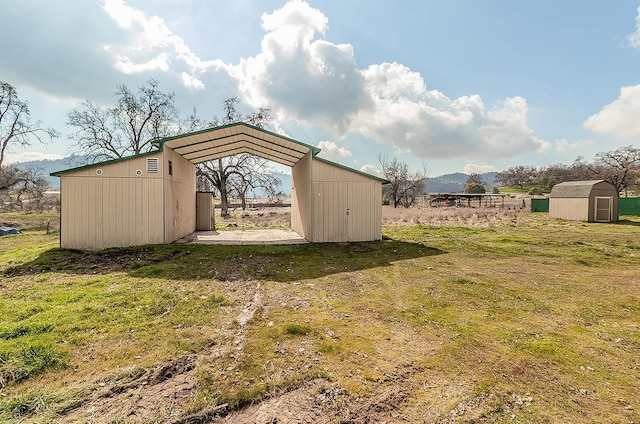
x,y
530,321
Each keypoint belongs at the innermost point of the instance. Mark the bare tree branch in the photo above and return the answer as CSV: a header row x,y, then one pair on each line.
x,y
16,126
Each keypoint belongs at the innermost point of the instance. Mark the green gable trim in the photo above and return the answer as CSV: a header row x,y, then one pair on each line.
x,y
373,177
91,165
314,150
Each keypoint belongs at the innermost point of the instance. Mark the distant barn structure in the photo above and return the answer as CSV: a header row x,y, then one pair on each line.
x,y
590,201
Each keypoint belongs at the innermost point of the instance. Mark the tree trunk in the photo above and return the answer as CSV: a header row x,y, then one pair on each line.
x,y
224,198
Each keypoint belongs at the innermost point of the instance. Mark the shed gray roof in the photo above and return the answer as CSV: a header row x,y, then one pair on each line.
x,y
579,189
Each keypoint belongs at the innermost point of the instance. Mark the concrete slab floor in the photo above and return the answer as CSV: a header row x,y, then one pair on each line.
x,y
240,237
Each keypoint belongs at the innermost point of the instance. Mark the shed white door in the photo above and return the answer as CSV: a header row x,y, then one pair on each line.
x,y
346,211
330,221
604,206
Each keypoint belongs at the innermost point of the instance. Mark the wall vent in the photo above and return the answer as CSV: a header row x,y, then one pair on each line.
x,y
138,172
152,164
98,171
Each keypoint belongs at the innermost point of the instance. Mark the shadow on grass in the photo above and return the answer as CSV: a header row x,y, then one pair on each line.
x,y
629,222
187,262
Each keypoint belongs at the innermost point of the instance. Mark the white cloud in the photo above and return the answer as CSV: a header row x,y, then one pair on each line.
x,y
191,81
634,38
474,168
153,46
305,78
302,76
564,145
30,156
372,170
430,125
619,118
331,150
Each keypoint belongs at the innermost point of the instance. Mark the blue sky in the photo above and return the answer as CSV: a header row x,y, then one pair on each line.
x,y
459,86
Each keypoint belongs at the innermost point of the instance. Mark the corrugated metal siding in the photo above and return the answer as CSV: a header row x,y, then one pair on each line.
x,y
572,209
365,211
330,217
540,205
323,171
113,209
346,206
179,197
630,206
301,197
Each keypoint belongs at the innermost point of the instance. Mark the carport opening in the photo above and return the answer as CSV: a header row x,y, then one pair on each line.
x,y
234,145
258,193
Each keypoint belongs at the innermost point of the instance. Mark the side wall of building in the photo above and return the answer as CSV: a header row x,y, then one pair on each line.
x,y
575,209
301,197
345,205
179,196
114,204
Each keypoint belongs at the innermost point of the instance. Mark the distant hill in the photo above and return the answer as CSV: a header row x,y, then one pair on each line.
x,y
46,167
448,183
454,183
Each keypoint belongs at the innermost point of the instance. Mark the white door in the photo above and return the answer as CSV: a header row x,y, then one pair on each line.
x,y
604,206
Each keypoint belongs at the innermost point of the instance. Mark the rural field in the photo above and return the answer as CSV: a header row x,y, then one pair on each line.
x,y
459,315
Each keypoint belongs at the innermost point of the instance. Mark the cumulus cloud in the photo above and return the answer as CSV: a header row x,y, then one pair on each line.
x,y
151,45
302,76
474,168
305,77
431,125
619,118
330,150
299,74
372,170
564,145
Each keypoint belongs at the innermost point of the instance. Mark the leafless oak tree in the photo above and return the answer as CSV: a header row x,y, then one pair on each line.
x,y
237,175
16,126
404,185
621,167
129,127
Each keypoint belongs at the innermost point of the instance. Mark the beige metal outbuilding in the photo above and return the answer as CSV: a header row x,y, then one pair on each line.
x,y
151,198
590,201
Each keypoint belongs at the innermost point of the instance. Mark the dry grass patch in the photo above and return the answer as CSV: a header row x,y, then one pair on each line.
x,y
517,318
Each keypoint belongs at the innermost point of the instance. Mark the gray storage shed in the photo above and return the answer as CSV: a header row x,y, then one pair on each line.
x,y
590,201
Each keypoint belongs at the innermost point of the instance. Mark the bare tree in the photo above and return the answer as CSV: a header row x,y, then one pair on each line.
x,y
22,189
404,186
16,126
129,127
518,176
238,174
621,167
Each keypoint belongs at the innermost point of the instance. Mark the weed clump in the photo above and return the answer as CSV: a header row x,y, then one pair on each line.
x,y
296,329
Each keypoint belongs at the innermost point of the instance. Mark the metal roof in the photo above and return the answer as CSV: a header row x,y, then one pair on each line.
x,y
576,188
233,139
236,138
